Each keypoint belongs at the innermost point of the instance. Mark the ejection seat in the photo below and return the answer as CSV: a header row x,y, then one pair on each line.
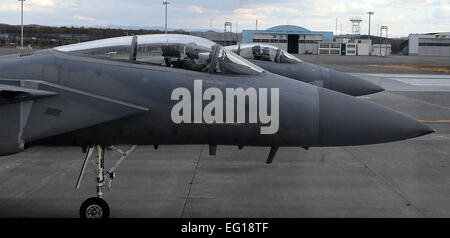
x,y
172,56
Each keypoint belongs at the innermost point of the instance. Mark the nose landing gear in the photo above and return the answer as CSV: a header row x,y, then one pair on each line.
x,y
96,207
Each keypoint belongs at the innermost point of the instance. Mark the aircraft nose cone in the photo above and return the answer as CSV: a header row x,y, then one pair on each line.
x,y
351,85
346,121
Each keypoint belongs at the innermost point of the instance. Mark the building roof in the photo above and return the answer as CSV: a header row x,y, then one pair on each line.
x,y
287,28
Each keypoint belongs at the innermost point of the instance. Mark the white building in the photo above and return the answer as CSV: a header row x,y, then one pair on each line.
x,y
381,49
345,46
432,44
351,48
329,48
364,46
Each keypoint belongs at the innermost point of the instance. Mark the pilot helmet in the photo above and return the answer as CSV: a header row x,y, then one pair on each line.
x,y
192,50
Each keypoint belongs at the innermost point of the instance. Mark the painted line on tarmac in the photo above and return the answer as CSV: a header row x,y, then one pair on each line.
x,y
435,121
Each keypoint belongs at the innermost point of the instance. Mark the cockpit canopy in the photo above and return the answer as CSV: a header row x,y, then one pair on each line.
x,y
263,52
172,50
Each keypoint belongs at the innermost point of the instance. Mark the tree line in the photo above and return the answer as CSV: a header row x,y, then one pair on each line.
x,y
46,36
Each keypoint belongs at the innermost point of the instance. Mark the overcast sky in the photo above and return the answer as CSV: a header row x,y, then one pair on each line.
x,y
401,16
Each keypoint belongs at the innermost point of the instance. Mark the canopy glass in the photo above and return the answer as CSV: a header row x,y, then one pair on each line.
x,y
172,50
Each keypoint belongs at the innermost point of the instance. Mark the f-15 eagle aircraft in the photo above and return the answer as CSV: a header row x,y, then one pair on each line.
x,y
173,90
280,62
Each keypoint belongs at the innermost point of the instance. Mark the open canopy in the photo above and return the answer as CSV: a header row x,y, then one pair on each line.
x,y
172,50
263,52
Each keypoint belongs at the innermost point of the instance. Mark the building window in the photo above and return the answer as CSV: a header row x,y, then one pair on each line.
x,y
335,52
256,40
433,44
273,41
334,45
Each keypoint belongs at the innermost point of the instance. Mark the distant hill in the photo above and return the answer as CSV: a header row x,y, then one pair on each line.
x,y
134,28
48,36
157,28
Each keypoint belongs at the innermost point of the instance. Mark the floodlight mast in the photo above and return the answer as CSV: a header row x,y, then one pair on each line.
x,y
166,3
385,41
21,22
370,14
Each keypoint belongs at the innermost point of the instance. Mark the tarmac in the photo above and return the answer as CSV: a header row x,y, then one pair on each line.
x,y
402,179
390,64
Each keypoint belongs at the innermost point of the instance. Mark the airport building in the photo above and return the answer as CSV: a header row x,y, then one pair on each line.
x,y
345,46
222,38
432,44
293,39
381,49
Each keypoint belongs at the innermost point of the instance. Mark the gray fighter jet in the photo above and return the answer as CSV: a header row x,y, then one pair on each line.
x,y
173,89
281,62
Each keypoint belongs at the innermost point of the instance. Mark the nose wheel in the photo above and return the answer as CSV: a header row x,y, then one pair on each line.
x,y
96,207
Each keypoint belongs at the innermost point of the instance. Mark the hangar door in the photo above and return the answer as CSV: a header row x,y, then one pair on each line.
x,y
292,44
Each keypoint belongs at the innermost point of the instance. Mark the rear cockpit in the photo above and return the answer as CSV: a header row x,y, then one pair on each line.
x,y
263,52
172,50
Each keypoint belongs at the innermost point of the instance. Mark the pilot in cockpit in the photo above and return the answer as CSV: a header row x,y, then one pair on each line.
x,y
265,54
191,60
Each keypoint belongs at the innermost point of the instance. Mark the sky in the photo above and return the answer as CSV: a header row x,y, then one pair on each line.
x,y
401,16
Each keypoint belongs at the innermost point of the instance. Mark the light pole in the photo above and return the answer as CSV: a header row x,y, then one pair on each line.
x,y
21,23
385,41
370,14
166,3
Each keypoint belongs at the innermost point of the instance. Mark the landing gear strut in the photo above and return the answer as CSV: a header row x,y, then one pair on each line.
x,y
96,207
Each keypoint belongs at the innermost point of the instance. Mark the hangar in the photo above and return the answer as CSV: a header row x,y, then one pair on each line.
x,y
293,39
432,44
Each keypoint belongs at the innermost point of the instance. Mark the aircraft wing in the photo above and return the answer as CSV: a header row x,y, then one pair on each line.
x,y
12,94
32,110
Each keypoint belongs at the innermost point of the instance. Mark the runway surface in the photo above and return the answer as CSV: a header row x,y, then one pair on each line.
x,y
401,179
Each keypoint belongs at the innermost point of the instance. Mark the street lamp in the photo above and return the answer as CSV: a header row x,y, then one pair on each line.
x,y
370,14
385,41
21,23
166,3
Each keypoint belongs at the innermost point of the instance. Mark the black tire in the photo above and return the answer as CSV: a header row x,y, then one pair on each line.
x,y
94,208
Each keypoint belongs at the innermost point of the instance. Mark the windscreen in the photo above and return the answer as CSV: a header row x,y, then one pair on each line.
x,y
229,62
285,57
112,48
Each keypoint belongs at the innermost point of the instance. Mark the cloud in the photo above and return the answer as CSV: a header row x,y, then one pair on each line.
x,y
6,6
82,18
44,3
195,9
37,5
402,16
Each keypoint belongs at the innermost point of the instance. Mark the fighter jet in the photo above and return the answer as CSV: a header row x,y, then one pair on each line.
x,y
173,90
281,62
